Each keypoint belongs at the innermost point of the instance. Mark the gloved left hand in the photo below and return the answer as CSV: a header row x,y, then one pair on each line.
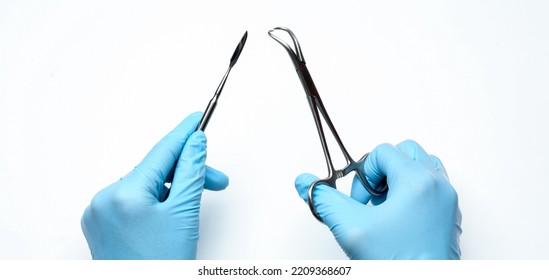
x,y
130,220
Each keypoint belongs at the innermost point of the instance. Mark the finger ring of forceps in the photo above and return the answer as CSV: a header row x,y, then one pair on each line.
x,y
315,102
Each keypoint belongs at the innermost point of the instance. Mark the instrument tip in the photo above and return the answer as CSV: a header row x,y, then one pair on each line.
x,y
239,49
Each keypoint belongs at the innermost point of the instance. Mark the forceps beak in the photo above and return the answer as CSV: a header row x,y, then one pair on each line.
x,y
295,53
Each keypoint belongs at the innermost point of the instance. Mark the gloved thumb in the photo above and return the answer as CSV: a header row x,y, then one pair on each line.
x,y
189,178
155,167
332,206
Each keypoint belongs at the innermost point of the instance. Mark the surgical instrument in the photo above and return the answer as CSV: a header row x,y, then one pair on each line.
x,y
213,102
316,105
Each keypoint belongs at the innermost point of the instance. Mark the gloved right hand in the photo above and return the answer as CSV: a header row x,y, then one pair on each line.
x,y
419,218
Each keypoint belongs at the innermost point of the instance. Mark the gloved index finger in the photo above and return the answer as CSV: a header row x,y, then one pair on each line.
x,y
215,180
156,165
387,161
359,192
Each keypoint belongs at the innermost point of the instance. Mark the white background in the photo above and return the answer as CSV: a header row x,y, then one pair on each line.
x,y
88,87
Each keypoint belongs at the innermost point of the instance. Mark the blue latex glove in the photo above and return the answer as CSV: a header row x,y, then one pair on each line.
x,y
128,220
418,219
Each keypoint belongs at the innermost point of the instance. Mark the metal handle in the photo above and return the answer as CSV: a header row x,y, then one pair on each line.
x,y
330,181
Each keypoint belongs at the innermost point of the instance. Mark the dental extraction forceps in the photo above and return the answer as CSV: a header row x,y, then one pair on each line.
x,y
315,102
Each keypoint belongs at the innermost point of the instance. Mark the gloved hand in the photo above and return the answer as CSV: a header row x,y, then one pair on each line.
x,y
130,220
418,219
